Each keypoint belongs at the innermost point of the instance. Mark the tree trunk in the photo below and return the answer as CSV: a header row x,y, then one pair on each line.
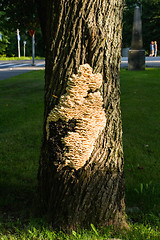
x,y
80,179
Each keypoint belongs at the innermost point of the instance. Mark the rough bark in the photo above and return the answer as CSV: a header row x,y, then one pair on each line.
x,y
82,32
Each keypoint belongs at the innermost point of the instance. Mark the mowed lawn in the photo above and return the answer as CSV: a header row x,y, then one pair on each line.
x,y
140,104
21,120
21,117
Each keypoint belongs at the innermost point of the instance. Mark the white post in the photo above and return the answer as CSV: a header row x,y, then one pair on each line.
x,y
33,49
24,48
18,38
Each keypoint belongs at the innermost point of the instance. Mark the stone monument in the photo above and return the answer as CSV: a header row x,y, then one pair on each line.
x,y
136,56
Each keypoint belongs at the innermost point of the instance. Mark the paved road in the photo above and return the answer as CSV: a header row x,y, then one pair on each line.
x,y
12,68
150,62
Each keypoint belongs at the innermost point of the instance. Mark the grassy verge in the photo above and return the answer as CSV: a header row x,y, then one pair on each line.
x,y
141,116
17,58
21,102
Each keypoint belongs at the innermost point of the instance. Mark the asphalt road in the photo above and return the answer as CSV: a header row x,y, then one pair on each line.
x,y
151,62
13,68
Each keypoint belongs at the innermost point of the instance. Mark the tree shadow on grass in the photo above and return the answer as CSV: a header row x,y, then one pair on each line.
x,y
15,202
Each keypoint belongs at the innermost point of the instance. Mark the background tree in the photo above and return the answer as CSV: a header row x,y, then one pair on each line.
x,y
80,178
22,15
4,38
150,21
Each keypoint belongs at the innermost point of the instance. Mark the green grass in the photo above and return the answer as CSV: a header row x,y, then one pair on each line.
x,y
141,117
17,58
21,103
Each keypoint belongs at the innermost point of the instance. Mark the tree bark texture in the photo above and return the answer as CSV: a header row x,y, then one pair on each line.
x,y
82,32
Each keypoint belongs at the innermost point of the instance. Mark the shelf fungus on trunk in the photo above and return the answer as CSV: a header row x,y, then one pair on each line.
x,y
83,104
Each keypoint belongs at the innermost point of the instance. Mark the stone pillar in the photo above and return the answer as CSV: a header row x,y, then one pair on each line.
x,y
136,56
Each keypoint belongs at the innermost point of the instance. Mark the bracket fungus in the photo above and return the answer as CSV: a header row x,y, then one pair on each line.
x,y
84,103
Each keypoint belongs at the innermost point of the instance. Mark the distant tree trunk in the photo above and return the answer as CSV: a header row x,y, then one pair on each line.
x,y
80,179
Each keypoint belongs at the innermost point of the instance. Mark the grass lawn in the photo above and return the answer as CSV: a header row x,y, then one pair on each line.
x,y
21,104
17,58
140,103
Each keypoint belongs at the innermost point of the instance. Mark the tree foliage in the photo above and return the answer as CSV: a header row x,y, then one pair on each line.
x,y
4,38
22,15
19,13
